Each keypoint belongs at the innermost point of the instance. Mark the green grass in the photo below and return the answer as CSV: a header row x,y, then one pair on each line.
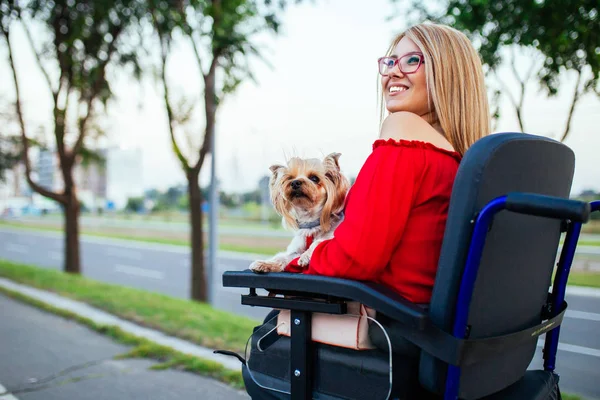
x,y
265,250
570,397
588,243
193,321
584,278
143,348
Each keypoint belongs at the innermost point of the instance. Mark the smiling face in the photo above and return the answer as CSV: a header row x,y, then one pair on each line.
x,y
406,92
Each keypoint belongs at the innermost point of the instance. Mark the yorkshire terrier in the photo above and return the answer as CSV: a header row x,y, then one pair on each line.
x,y
309,195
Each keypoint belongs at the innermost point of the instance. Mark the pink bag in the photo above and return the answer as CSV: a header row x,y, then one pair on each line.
x,y
349,330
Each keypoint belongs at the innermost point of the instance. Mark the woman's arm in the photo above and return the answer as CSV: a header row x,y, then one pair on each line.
x,y
376,213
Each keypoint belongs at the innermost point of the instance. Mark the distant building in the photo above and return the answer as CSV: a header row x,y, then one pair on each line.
x,y
124,175
91,180
15,193
98,184
48,170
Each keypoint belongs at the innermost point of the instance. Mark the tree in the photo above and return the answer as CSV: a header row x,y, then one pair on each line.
x,y
221,34
9,154
83,41
556,36
135,204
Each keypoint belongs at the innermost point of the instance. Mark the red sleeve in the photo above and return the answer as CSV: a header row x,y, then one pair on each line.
x,y
376,212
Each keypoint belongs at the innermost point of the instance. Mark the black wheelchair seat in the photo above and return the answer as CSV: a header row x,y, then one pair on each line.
x,y
496,292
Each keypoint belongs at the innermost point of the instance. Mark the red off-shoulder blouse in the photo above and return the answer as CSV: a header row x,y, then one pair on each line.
x,y
394,220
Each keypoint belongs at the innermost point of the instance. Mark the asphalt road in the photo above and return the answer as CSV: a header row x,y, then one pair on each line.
x,y
45,357
165,269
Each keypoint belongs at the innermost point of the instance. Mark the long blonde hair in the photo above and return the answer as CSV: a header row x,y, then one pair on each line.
x,y
455,82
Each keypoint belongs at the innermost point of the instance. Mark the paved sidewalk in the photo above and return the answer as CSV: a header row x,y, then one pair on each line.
x,y
47,357
104,318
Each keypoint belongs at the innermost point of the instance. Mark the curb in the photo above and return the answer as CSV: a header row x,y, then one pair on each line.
x,y
104,318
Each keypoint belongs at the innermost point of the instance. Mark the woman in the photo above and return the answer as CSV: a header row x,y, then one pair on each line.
x,y
433,87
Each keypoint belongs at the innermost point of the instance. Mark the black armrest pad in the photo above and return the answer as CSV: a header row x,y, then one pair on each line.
x,y
548,206
378,297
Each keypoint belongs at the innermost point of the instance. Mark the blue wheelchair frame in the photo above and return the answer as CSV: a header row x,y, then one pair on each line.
x,y
571,212
482,225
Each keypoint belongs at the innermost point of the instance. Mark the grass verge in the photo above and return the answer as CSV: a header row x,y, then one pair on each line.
x,y
143,348
584,278
192,321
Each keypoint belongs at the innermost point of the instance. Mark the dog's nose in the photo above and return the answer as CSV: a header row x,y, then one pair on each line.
x,y
296,184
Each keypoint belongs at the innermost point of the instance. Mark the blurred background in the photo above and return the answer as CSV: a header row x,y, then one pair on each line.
x,y
136,134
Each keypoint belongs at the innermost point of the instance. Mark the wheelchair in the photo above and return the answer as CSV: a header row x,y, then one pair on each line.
x,y
496,294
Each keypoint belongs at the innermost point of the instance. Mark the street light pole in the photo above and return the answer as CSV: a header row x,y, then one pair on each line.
x,y
213,220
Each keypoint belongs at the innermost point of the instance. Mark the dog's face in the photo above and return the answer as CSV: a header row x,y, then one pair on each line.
x,y
307,189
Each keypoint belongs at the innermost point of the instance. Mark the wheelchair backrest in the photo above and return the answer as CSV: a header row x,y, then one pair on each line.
x,y
518,259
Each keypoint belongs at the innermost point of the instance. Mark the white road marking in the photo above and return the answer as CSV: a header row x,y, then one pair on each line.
x,y
571,348
17,248
239,290
137,271
588,250
130,254
6,396
582,315
582,291
132,244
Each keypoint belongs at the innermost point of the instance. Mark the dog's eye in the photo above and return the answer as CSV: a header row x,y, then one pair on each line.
x,y
314,178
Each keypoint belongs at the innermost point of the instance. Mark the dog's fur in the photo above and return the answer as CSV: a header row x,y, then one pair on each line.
x,y
304,192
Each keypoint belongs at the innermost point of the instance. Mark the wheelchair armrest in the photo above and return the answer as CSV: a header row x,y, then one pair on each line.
x,y
375,296
548,206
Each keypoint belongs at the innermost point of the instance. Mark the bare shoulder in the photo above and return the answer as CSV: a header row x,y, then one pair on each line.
x,y
409,126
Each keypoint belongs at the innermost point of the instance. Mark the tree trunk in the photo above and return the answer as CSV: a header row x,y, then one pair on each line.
x,y
71,211
198,277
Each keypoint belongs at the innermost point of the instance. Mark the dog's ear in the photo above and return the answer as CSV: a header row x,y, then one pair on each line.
x,y
332,167
337,188
275,168
331,162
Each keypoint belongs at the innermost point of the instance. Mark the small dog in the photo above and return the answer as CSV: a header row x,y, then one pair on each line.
x,y
309,194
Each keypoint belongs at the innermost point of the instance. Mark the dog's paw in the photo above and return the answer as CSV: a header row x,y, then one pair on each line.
x,y
304,259
266,266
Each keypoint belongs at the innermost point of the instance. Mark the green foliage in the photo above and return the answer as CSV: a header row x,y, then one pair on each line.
x,y
565,34
84,37
228,200
589,196
9,154
135,204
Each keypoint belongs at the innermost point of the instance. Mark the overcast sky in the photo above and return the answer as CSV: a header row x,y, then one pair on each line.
x,y
318,97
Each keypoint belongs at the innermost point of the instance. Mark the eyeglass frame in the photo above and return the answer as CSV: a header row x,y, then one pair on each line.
x,y
397,60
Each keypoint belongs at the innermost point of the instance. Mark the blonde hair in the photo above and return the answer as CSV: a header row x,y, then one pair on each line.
x,y
455,82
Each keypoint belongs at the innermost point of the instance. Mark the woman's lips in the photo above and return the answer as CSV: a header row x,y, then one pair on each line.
x,y
395,90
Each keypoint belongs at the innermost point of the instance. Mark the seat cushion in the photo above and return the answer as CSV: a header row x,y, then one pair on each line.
x,y
340,373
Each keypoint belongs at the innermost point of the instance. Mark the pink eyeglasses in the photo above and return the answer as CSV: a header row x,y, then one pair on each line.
x,y
408,63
